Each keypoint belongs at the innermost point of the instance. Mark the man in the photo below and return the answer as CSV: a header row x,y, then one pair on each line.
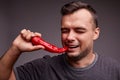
x,y
79,30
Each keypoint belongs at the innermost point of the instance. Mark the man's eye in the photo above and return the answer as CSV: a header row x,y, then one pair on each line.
x,y
79,31
64,30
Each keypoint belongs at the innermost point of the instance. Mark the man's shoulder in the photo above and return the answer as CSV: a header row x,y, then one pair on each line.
x,y
109,61
48,58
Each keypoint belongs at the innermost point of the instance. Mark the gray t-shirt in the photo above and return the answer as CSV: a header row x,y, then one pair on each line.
x,y
57,68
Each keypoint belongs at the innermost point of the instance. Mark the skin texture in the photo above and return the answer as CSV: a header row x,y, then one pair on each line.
x,y
78,33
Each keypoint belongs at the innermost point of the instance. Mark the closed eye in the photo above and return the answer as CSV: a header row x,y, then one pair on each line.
x,y
80,30
64,30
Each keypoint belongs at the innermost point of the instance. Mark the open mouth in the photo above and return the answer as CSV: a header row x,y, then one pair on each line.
x,y
73,46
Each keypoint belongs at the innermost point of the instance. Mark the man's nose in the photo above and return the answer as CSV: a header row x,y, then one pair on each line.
x,y
71,36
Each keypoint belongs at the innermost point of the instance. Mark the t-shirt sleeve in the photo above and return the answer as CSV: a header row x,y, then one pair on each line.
x,y
31,70
16,74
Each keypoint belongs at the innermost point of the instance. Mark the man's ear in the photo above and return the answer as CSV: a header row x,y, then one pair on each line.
x,y
96,33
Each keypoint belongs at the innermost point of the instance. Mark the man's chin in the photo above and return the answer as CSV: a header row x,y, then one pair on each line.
x,y
75,56
72,54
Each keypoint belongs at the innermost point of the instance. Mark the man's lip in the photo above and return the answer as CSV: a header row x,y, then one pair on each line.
x,y
73,46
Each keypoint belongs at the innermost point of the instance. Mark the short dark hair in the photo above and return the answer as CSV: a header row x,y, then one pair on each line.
x,y
76,5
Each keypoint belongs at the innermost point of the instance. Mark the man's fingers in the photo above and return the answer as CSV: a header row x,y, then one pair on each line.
x,y
27,34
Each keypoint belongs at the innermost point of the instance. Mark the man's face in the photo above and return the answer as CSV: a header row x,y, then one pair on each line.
x,y
78,33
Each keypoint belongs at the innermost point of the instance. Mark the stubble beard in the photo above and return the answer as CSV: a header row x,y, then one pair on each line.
x,y
80,56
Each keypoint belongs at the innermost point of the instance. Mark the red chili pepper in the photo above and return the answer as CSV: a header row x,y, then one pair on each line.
x,y
49,47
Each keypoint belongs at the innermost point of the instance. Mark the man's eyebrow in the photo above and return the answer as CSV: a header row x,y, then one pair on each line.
x,y
63,28
80,28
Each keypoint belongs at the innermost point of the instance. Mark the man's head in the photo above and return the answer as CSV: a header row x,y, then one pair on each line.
x,y
74,6
79,29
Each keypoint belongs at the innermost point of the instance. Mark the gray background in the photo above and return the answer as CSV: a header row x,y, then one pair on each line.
x,y
44,16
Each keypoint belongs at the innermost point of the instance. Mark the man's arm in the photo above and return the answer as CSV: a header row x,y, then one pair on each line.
x,y
7,61
21,44
12,76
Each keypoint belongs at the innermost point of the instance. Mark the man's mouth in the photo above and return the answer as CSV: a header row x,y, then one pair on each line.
x,y
73,46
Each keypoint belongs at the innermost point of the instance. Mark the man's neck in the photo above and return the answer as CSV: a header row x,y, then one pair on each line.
x,y
86,61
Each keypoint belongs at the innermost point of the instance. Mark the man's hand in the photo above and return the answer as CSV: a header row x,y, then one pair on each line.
x,y
23,41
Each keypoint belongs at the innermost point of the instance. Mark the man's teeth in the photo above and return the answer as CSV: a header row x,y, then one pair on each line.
x,y
73,46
